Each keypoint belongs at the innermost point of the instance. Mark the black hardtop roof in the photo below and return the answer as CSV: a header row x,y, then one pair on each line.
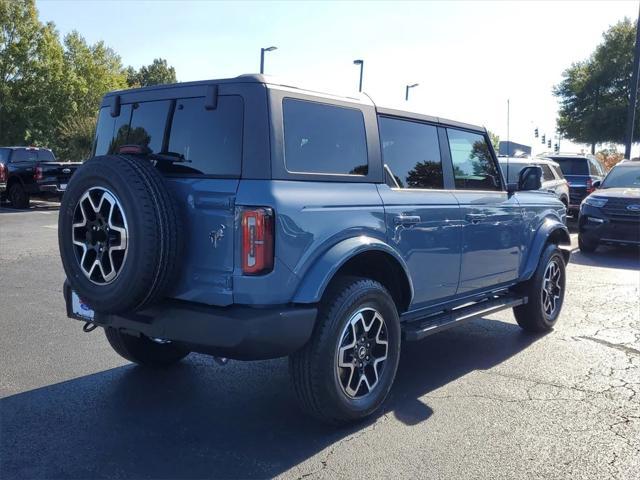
x,y
275,82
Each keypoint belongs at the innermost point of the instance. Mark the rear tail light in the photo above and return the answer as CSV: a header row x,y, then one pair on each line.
x,y
37,173
590,185
3,173
257,241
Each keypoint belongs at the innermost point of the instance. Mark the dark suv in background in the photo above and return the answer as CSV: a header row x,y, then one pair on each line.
x,y
32,171
581,171
611,214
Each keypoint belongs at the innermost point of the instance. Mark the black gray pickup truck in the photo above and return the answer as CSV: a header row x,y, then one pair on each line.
x,y
32,171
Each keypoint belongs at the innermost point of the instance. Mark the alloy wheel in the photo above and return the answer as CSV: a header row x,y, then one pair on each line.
x,y
551,288
362,353
100,235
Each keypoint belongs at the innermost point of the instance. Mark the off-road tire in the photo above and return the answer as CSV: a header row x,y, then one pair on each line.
x,y
313,368
18,196
154,239
144,351
585,246
532,316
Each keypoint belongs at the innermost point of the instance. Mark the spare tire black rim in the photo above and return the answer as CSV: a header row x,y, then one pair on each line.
x,y
362,353
100,235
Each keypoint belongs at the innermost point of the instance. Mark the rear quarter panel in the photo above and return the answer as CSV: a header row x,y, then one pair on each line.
x,y
311,217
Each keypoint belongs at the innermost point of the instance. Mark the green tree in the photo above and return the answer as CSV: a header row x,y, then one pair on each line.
x,y
495,140
158,73
32,76
594,93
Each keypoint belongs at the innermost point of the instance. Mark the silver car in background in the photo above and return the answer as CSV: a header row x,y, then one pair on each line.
x,y
552,178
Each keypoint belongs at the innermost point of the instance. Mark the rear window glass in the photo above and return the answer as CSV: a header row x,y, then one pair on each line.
x,y
320,138
573,166
32,155
192,139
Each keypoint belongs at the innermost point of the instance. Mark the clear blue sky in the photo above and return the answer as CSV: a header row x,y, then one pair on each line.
x,y
468,57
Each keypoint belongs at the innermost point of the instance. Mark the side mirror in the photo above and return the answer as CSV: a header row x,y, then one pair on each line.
x,y
530,178
596,184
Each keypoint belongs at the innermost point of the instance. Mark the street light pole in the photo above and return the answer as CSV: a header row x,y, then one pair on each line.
x,y
361,63
406,91
262,50
631,113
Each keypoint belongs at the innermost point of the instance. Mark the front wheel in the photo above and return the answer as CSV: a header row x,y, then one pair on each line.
x,y
586,246
143,350
346,370
545,292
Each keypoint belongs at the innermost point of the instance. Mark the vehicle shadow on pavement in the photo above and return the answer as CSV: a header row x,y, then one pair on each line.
x,y
200,420
627,258
34,207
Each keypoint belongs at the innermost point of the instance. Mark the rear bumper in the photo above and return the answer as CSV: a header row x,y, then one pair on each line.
x,y
237,331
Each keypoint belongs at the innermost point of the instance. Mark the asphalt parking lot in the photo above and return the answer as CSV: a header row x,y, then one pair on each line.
x,y
481,401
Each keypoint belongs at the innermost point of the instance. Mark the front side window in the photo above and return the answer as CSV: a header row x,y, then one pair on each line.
x,y
411,153
511,170
473,165
321,138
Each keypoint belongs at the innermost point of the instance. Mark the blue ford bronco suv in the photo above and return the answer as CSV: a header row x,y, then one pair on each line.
x,y
247,219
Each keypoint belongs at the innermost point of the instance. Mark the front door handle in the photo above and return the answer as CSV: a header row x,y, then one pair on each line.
x,y
407,219
475,218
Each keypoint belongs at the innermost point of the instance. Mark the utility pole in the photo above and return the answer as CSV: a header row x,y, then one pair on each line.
x,y
508,118
631,113
361,63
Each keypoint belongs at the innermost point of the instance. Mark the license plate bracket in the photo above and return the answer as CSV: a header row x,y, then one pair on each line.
x,y
79,309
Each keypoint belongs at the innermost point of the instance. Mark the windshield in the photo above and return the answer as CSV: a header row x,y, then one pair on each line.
x,y
623,177
573,166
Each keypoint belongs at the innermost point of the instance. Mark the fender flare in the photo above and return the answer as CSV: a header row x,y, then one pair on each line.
x,y
317,277
549,227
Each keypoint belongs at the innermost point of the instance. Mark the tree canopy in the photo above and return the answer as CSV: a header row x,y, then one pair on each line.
x,y
50,90
594,93
157,73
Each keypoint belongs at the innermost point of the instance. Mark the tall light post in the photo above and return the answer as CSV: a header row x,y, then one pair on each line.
x,y
633,88
406,90
361,63
262,50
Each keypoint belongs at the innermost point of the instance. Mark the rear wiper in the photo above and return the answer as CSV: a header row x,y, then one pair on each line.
x,y
171,157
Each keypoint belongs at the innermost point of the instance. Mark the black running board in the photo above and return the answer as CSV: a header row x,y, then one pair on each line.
x,y
419,329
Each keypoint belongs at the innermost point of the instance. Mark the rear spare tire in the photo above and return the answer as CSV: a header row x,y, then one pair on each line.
x,y
119,233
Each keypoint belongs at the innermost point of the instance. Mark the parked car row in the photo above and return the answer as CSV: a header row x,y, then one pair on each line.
x,y
32,171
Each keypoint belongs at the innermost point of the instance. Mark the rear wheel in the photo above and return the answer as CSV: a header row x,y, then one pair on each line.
x,y
18,196
545,292
143,350
346,370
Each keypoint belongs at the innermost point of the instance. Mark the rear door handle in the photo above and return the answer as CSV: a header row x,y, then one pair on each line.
x,y
475,217
407,219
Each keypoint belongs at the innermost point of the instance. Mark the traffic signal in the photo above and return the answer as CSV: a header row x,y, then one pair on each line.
x,y
544,139
549,143
556,148
535,133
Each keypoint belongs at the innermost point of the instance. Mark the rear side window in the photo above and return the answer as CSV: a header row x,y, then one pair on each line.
x,y
326,139
4,155
547,174
199,141
573,166
473,165
411,153
557,171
